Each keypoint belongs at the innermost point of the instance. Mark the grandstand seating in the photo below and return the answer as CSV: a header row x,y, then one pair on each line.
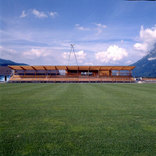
x,y
48,78
72,74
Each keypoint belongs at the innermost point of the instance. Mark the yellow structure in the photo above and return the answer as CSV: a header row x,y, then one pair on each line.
x,y
72,73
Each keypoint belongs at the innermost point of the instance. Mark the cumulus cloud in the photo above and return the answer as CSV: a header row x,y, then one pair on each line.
x,y
112,54
147,39
141,46
80,55
39,14
34,52
23,14
77,26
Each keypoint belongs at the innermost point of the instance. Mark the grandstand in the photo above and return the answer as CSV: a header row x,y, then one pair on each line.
x,y
54,74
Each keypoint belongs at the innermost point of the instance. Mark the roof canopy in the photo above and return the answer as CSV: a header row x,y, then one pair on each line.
x,y
91,68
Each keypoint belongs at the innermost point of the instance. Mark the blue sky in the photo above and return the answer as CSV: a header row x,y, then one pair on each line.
x,y
105,32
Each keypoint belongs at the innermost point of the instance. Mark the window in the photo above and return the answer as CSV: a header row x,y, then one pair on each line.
x,y
86,73
62,72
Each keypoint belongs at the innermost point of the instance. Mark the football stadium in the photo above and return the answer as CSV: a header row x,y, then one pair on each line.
x,y
76,110
97,100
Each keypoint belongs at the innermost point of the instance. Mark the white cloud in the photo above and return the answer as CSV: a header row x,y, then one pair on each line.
x,y
100,25
141,46
147,39
112,54
4,50
8,53
100,28
152,58
129,62
77,26
53,14
36,53
41,56
80,55
23,14
39,14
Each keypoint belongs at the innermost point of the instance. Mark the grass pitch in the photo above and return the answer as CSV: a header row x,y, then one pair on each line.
x,y
78,119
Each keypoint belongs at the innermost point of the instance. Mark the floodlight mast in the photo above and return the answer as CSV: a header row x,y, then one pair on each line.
x,y
72,51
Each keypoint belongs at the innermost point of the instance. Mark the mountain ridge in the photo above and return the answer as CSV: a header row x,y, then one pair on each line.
x,y
4,62
146,66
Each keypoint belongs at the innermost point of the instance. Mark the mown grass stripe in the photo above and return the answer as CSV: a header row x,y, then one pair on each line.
x,y
77,119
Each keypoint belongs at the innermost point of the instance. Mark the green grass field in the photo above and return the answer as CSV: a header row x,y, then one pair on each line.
x,y
78,119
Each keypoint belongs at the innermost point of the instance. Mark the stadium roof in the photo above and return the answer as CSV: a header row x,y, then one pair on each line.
x,y
91,68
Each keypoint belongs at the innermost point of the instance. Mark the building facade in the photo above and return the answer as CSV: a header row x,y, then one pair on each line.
x,y
71,73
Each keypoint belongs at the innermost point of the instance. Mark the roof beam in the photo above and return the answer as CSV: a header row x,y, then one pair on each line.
x,y
33,68
74,68
44,67
11,67
22,67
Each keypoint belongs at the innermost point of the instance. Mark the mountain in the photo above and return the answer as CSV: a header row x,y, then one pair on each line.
x,y
4,62
146,67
